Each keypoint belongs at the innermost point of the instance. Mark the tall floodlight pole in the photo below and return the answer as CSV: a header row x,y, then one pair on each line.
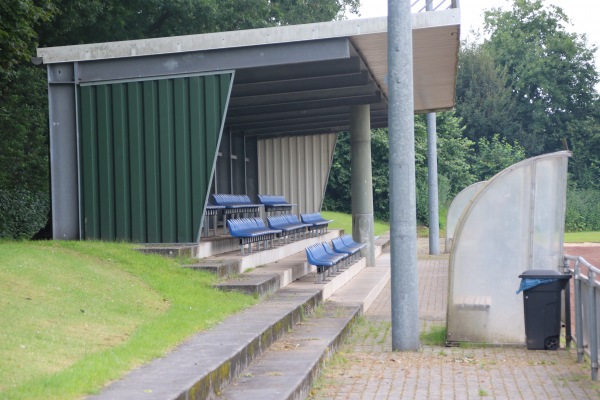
x,y
432,176
403,218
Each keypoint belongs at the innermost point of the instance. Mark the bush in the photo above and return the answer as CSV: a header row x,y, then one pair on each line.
x,y
22,213
583,210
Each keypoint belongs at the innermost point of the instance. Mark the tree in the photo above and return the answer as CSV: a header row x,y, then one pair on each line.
x,y
18,20
23,129
24,198
338,193
585,141
484,100
380,155
454,153
551,71
494,155
111,20
338,196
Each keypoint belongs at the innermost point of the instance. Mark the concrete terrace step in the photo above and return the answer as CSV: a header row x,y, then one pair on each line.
x,y
233,262
271,277
289,367
215,246
206,363
274,276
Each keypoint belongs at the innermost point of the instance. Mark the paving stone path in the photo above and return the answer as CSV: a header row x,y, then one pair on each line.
x,y
366,368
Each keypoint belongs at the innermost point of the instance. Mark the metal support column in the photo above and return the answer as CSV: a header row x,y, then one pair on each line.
x,y
432,181
403,218
362,180
64,163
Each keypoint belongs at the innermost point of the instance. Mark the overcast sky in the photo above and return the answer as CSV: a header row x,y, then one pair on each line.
x,y
583,14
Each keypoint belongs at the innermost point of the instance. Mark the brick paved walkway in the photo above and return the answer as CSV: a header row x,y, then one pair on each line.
x,y
366,368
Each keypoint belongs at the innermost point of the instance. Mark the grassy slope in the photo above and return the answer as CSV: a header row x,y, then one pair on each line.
x,y
75,315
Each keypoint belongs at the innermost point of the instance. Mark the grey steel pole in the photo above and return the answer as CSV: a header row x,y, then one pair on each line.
x,y
432,176
403,218
362,180
432,181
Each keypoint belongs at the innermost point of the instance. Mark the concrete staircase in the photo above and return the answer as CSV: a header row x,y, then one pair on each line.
x,y
274,349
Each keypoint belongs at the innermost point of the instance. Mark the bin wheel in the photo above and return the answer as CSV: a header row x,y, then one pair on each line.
x,y
552,343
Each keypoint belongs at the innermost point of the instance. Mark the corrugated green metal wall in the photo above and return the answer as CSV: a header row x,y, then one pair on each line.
x,y
147,154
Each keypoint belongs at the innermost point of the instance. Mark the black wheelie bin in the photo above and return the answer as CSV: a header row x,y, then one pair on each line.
x,y
542,296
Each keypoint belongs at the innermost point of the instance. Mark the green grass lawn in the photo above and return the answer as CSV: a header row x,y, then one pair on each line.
x,y
582,237
344,221
76,315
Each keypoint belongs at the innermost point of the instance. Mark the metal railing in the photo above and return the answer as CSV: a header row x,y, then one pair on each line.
x,y
586,309
434,5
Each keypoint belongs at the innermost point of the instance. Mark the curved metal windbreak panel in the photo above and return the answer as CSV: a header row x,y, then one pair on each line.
x,y
459,204
148,150
296,167
514,223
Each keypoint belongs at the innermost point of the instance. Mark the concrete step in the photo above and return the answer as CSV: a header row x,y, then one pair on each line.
x,y
289,367
271,277
206,363
235,263
222,268
266,279
222,255
211,246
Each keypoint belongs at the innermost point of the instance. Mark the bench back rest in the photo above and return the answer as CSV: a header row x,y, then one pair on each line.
x,y
310,254
317,251
257,223
327,248
244,224
277,221
310,217
347,240
292,219
231,199
269,199
236,225
338,244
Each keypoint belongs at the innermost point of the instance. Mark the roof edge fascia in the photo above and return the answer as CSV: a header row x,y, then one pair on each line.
x,y
236,39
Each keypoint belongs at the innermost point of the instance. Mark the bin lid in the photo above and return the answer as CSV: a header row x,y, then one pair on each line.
x,y
544,274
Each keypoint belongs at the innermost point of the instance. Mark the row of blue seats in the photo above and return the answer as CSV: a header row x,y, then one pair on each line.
x,y
240,205
289,225
231,200
235,201
253,230
328,260
274,203
319,224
